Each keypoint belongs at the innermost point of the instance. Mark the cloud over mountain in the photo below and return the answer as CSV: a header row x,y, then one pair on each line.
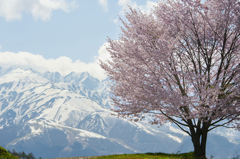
x,y
63,64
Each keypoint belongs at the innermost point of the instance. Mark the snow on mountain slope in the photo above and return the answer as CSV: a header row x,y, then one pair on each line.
x,y
63,116
31,96
53,76
84,79
26,76
76,102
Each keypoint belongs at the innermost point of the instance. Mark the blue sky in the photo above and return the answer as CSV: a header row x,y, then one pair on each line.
x,y
60,35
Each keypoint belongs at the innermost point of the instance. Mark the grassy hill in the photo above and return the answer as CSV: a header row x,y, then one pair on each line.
x,y
4,154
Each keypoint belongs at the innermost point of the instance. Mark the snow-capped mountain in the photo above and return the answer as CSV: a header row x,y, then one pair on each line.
x,y
62,116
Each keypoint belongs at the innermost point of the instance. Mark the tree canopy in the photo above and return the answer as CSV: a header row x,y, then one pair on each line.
x,y
180,63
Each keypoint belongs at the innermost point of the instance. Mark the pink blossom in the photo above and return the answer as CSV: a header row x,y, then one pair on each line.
x,y
181,61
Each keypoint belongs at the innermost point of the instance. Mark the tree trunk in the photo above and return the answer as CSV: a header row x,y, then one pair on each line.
x,y
199,140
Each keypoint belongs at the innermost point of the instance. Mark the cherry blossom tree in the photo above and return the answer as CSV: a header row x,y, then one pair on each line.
x,y
180,64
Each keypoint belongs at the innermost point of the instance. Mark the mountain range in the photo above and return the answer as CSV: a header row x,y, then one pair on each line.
x,y
56,116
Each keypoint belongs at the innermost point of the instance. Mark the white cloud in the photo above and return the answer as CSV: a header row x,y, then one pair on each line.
x,y
145,8
63,64
115,21
40,9
104,4
126,3
103,54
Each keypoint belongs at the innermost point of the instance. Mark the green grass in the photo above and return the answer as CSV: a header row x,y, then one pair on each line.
x,y
4,154
189,155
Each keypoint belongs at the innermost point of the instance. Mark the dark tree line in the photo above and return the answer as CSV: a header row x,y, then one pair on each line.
x,y
23,155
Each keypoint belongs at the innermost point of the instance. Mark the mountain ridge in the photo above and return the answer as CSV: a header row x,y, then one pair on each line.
x,y
62,116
